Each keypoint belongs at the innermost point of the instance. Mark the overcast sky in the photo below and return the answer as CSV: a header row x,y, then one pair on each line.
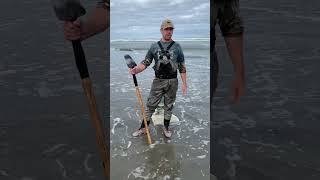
x,y
141,19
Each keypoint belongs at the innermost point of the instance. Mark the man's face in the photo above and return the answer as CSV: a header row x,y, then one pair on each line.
x,y
167,33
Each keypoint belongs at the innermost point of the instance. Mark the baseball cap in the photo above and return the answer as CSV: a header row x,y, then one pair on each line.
x,y
166,23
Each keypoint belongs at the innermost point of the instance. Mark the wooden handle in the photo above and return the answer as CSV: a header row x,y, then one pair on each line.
x,y
143,114
100,135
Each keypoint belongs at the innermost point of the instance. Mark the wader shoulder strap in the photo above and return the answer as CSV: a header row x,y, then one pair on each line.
x,y
170,45
161,47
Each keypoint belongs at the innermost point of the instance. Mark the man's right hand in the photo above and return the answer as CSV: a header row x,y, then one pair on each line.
x,y
72,30
133,70
137,69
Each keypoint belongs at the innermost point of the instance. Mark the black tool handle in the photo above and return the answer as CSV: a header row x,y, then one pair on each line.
x,y
80,59
135,80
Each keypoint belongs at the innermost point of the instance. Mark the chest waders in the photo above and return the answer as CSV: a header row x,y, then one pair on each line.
x,y
165,68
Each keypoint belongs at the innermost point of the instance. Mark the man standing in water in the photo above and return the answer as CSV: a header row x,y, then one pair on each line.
x,y
226,13
168,58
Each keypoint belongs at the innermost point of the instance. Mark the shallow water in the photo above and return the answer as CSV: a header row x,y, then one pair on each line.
x,y
273,132
45,130
186,154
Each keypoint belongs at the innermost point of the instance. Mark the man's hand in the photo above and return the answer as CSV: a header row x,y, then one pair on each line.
x,y
72,30
238,88
137,69
184,89
134,70
98,21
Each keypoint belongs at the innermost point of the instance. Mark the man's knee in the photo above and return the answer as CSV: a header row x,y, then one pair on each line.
x,y
153,101
151,106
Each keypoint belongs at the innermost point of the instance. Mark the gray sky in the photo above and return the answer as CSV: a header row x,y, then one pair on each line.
x,y
141,19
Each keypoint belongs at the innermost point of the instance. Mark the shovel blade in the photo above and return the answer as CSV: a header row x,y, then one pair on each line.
x,y
130,62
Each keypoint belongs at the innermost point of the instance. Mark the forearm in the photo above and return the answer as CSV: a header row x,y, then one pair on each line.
x,y
140,68
184,78
235,49
98,21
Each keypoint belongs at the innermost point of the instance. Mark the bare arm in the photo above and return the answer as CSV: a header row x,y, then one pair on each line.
x,y
184,78
184,82
183,74
141,67
98,21
232,29
235,49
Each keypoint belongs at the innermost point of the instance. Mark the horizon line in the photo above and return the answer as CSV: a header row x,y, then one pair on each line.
x,y
178,39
